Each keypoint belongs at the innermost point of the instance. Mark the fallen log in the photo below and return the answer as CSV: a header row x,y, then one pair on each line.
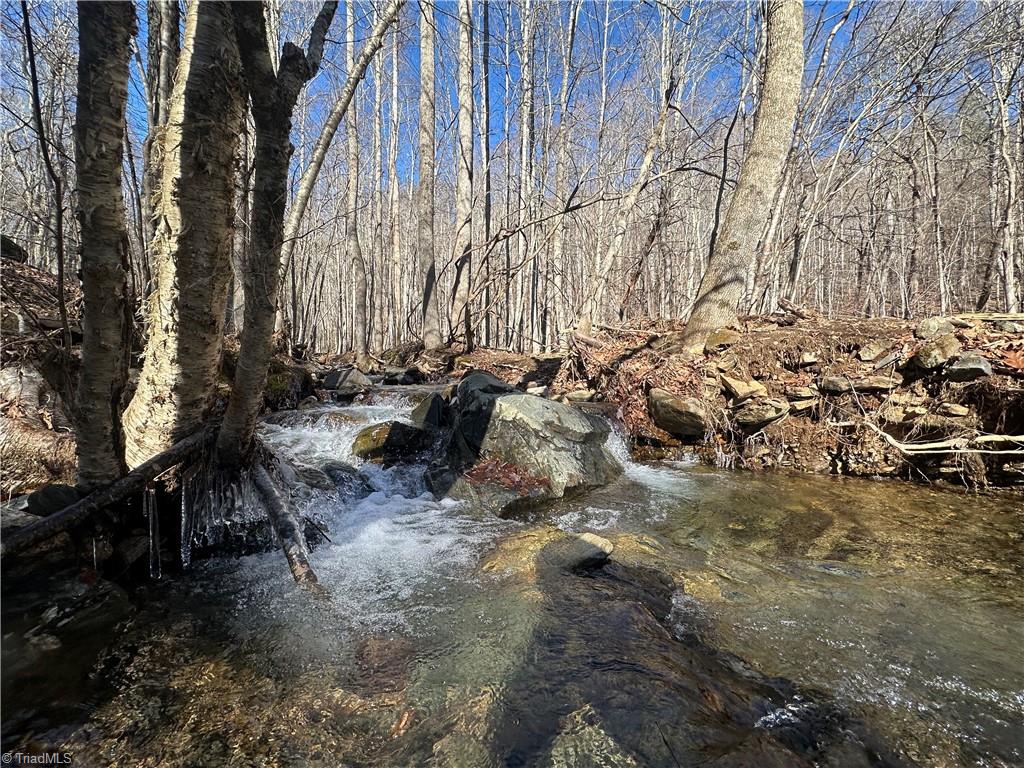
x,y
131,483
289,531
964,444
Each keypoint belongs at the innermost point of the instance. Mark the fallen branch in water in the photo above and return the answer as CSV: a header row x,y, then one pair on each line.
x,y
131,483
956,444
289,530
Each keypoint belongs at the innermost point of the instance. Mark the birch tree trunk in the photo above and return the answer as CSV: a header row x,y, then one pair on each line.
x,y
461,314
273,96
355,251
105,32
192,246
721,287
431,331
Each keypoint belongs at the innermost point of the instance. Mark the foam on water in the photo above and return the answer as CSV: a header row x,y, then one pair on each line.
x,y
658,478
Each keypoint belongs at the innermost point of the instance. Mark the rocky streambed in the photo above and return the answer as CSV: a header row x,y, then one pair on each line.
x,y
614,613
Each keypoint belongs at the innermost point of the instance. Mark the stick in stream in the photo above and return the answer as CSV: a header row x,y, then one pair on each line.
x,y
131,483
293,543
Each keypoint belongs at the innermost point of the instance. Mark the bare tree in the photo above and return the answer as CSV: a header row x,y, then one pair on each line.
x,y
722,285
192,247
105,32
461,320
431,332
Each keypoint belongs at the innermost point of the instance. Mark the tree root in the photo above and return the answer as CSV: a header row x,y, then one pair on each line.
x,y
131,483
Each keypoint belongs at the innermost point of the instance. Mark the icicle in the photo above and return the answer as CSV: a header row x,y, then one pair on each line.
x,y
152,512
187,525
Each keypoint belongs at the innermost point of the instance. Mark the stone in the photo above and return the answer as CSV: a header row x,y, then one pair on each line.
x,y
347,380
584,550
740,390
390,441
723,337
580,396
870,351
878,383
931,327
808,358
403,376
953,409
937,351
431,413
756,414
890,359
310,402
1009,326
835,385
680,416
528,445
537,391
287,385
968,368
336,420
51,498
800,392
802,406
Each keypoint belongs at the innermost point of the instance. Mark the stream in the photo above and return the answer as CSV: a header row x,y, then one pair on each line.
x,y
742,615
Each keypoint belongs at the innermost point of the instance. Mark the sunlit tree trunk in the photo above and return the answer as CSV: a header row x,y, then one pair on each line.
x,y
461,321
355,250
722,285
192,245
105,32
431,331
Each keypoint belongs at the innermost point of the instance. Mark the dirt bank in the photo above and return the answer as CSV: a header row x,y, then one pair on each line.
x,y
937,398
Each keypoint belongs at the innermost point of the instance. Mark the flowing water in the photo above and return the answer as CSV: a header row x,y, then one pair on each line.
x,y
799,613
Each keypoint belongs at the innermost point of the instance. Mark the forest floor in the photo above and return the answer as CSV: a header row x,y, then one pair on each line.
x,y
868,397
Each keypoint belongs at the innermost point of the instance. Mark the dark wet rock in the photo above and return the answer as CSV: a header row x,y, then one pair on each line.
x,y
347,479
346,381
51,498
404,376
931,327
680,416
432,413
756,414
391,441
310,402
934,353
968,368
287,385
534,447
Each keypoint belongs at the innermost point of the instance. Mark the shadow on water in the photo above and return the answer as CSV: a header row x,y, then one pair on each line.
x,y
607,679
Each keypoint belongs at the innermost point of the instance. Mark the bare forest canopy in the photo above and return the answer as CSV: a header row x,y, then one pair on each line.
x,y
899,194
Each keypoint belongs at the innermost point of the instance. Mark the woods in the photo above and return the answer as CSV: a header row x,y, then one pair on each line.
x,y
512,175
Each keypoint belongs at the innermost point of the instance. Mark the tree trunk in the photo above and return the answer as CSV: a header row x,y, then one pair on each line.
x,y
461,315
425,229
105,32
355,250
722,285
192,247
273,98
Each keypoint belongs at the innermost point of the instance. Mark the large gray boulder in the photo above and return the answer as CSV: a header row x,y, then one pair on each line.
x,y
969,367
506,446
934,353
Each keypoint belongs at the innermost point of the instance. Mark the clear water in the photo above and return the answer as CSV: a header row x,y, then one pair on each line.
x,y
901,607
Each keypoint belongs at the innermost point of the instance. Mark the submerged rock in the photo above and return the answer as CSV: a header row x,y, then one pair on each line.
x,y
680,416
390,441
